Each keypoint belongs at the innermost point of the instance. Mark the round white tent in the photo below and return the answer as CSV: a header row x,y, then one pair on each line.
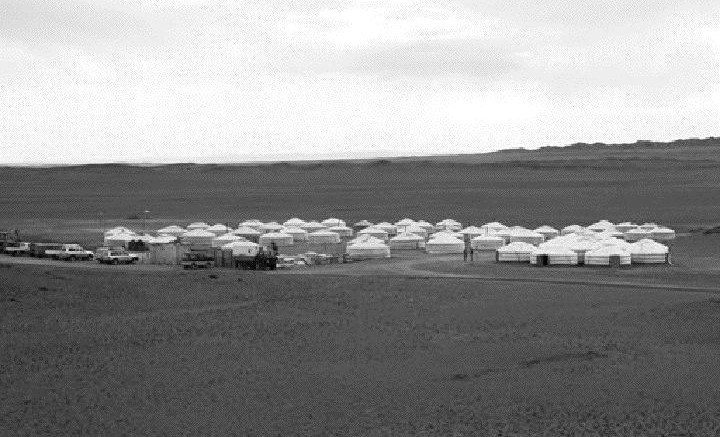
x,y
375,232
197,225
244,248
323,237
443,243
637,234
252,223
270,227
556,255
515,252
368,249
175,231
387,227
472,231
218,229
330,222
526,236
120,239
487,242
279,238
297,233
198,237
571,229
417,230
224,239
662,234
493,227
648,252
313,227
247,232
602,256
548,232
407,241
163,239
448,225
294,223
429,227
342,231
362,224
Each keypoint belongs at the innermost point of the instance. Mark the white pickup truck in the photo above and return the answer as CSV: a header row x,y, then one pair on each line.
x,y
19,250
72,252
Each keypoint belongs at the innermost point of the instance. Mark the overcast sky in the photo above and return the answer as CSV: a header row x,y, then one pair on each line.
x,y
108,80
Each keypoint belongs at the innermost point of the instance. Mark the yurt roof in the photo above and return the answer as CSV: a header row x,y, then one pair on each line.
x,y
611,250
239,244
229,237
546,228
442,237
407,236
648,246
325,233
471,230
162,240
518,246
294,230
573,228
372,230
199,233
332,221
524,233
363,223
276,235
487,238
415,228
369,244
662,230
314,224
340,228
246,230
217,227
251,222
294,222
384,224
553,250
405,222
423,223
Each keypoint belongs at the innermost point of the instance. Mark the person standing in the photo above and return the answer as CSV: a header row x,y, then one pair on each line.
x,y
465,254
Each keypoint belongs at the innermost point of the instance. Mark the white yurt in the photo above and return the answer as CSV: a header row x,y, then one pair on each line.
x,y
487,242
198,237
163,239
648,252
571,229
175,231
504,234
601,226
493,227
252,223
582,246
402,225
648,226
297,233
342,231
390,228
548,232
637,234
526,236
224,239
444,243
448,225
118,230
429,227
330,222
248,233
218,229
625,226
323,237
120,239
279,238
378,233
472,231
244,248
516,252
407,241
362,224
364,238
270,227
197,225
662,233
294,223
417,230
602,256
313,226
368,249
556,255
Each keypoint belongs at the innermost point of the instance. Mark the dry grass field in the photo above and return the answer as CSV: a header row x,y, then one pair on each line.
x,y
362,348
100,351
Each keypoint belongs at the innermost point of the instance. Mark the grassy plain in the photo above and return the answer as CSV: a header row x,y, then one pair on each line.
x,y
171,352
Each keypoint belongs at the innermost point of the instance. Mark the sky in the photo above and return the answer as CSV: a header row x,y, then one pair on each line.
x,y
179,80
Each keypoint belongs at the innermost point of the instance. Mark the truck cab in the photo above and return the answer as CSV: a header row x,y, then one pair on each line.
x,y
18,250
113,256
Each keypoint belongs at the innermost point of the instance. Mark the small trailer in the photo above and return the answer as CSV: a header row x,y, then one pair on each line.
x,y
21,249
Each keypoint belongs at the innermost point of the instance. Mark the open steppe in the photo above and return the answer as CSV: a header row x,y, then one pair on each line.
x,y
415,345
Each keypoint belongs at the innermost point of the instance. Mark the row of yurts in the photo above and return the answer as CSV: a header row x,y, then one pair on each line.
x,y
574,244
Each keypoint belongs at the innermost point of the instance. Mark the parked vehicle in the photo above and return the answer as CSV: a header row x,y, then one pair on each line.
x,y
197,260
72,252
113,257
45,250
8,239
261,261
19,250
